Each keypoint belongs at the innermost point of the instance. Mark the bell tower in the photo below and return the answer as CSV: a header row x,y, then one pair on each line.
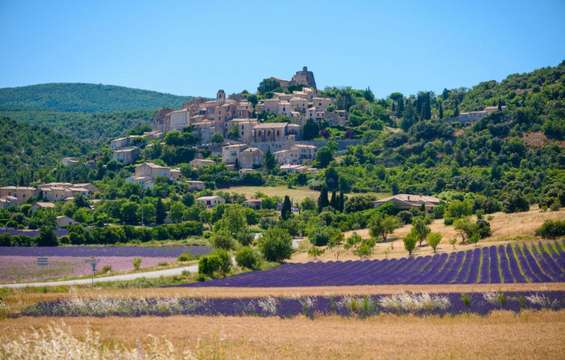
x,y
221,97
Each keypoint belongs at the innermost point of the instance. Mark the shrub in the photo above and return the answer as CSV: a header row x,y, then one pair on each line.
x,y
410,241
136,262
433,240
324,235
552,229
315,251
405,216
276,245
222,240
185,256
246,257
217,263
106,269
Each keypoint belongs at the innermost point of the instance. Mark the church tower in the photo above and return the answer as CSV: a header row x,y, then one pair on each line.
x,y
221,97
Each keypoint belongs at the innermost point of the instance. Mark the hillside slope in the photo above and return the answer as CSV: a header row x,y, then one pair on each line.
x,y
79,97
27,151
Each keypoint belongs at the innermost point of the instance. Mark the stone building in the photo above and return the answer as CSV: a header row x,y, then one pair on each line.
x,y
15,195
127,155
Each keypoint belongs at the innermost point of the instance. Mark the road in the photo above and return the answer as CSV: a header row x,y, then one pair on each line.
x,y
123,277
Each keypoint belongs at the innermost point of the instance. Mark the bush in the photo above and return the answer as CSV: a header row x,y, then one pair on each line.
x,y
552,229
433,240
136,262
106,269
246,257
185,256
217,263
276,245
324,235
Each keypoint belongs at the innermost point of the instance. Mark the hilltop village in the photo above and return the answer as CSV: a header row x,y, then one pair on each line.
x,y
237,130
239,121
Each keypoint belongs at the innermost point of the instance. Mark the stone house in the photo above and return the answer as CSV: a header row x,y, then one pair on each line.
x,y
199,163
408,201
20,193
211,201
249,158
64,221
126,155
194,185
230,153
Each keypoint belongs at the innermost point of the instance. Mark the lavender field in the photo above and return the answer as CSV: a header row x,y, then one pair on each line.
x,y
24,268
141,251
519,263
18,264
413,303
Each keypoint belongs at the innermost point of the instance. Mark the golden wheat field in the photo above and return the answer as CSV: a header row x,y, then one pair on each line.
x,y
500,335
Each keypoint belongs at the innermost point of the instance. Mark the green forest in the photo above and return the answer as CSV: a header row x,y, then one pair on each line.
x,y
89,98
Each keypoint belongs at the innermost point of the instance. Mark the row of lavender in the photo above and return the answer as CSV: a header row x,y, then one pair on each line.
x,y
88,251
411,303
520,263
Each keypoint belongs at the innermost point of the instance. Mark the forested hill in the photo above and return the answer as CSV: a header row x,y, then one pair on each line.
x,y
89,98
27,151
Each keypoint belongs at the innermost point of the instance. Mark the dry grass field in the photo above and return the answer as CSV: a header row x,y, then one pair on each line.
x,y
500,335
296,194
505,227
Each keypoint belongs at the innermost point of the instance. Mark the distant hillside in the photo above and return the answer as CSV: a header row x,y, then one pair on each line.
x,y
28,151
89,128
77,97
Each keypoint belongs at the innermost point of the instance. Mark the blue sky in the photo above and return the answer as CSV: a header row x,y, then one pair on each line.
x,y
196,47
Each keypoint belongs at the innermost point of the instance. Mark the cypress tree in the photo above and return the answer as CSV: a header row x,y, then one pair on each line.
x,y
341,201
286,210
160,212
334,201
323,199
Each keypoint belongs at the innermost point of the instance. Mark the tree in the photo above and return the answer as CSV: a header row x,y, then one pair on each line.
x,y
421,229
47,237
381,226
440,110
433,240
324,157
222,240
269,161
465,228
323,201
147,213
334,201
311,130
408,117
331,178
216,263
177,212
276,244
365,248
286,209
234,223
335,242
515,202
246,257
368,94
268,85
128,212
341,201
410,241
